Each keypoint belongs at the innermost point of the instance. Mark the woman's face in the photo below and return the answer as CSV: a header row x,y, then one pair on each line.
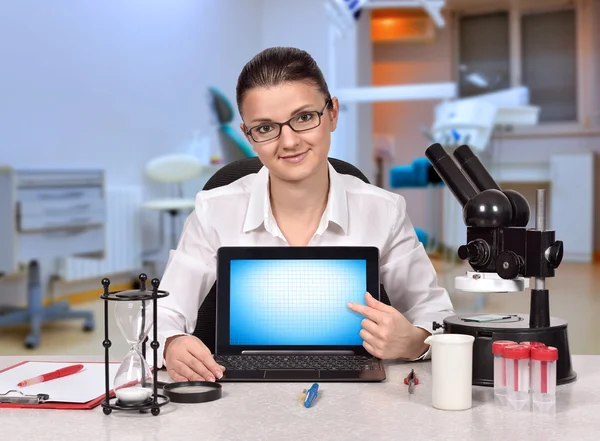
x,y
293,155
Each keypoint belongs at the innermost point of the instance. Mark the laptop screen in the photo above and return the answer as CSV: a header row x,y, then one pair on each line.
x,y
296,302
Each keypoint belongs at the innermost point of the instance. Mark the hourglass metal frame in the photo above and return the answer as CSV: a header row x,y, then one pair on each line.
x,y
156,400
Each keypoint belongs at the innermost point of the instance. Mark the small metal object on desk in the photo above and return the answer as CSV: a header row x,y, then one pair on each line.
x,y
411,380
21,398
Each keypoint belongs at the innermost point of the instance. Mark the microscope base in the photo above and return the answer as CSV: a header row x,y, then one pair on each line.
x,y
515,328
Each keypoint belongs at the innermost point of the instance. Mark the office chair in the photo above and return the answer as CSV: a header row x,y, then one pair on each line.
x,y
233,145
206,323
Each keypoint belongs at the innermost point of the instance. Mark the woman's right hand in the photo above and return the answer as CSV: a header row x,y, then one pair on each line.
x,y
188,359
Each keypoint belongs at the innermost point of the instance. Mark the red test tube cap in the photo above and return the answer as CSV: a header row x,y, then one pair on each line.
x,y
533,344
544,354
499,345
517,352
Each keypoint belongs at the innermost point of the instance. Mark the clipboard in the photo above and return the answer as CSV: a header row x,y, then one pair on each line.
x,y
83,390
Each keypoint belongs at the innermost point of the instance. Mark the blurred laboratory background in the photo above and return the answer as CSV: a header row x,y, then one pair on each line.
x,y
114,114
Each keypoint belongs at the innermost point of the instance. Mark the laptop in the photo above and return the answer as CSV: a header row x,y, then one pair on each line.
x,y
282,314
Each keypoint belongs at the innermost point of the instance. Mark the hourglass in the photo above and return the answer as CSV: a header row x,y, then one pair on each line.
x,y
135,384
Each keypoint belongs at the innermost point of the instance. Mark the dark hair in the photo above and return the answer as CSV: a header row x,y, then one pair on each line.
x,y
277,65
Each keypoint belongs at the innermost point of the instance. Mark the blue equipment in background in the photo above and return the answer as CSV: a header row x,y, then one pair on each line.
x,y
422,236
233,145
355,7
418,174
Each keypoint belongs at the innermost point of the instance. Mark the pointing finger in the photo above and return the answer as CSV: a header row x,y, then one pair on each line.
x,y
376,304
367,311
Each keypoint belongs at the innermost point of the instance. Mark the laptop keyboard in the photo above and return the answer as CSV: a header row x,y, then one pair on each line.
x,y
320,362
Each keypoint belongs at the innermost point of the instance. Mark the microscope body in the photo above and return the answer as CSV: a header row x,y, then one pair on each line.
x,y
504,255
512,252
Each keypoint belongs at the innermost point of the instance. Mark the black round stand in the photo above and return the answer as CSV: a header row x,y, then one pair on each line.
x,y
515,328
156,400
149,404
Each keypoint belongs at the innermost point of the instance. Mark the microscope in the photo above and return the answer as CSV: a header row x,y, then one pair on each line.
x,y
504,255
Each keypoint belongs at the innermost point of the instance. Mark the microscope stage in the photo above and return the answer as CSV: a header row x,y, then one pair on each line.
x,y
489,282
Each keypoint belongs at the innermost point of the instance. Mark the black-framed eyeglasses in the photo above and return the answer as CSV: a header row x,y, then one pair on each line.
x,y
299,123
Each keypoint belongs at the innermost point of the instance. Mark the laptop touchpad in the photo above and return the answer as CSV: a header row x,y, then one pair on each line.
x,y
292,374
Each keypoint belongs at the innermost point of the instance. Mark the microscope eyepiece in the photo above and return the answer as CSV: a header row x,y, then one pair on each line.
x,y
474,169
452,176
489,208
483,180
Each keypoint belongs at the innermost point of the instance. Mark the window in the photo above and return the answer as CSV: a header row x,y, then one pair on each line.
x,y
484,54
548,57
538,49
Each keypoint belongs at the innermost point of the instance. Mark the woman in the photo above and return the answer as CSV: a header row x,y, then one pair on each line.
x,y
297,199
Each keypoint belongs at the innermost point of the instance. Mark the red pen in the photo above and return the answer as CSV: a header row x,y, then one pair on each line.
x,y
63,372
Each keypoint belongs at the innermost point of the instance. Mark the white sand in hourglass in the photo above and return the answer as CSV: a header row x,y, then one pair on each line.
x,y
133,395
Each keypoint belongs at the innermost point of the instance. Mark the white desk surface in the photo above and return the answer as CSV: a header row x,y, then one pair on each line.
x,y
271,411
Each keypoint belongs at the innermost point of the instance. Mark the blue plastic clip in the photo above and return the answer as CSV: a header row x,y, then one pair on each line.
x,y
311,395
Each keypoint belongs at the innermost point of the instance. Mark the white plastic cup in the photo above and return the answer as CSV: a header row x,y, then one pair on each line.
x,y
543,379
500,370
452,371
518,376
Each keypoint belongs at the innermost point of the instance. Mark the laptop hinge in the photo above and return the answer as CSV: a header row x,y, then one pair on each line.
x,y
292,352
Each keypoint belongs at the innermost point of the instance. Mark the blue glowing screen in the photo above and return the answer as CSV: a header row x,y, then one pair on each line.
x,y
296,302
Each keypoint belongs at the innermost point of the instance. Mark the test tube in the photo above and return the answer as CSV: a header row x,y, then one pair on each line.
x,y
500,370
543,362
517,376
532,344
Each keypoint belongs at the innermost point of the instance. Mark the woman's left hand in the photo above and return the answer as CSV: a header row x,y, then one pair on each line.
x,y
386,333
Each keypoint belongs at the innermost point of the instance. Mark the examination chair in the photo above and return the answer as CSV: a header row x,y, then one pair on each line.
x,y
206,323
233,145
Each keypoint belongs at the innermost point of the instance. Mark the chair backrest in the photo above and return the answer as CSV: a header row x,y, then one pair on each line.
x,y
206,323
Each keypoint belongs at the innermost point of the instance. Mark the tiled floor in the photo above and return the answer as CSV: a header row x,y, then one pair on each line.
x,y
574,296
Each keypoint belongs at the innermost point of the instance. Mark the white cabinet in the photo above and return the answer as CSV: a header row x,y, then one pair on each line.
x,y
571,210
46,214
